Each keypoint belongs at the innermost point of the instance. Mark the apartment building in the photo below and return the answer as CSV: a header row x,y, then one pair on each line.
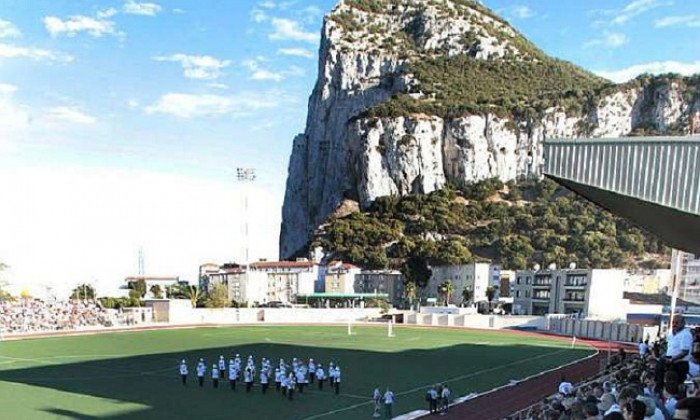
x,y
591,293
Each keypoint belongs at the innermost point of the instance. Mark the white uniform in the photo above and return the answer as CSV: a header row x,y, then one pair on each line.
x,y
215,374
201,370
183,372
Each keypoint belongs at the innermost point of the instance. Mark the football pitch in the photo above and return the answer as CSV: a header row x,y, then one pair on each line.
x,y
134,375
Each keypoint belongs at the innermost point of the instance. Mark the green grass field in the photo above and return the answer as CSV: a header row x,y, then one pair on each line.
x,y
133,375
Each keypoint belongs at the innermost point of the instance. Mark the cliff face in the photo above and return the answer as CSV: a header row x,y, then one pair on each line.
x,y
366,51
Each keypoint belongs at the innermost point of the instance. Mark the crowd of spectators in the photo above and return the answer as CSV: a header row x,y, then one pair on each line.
x,y
34,315
662,382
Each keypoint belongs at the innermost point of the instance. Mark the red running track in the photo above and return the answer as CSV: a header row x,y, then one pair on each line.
x,y
501,403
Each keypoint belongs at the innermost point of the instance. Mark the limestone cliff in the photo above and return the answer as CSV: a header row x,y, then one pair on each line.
x,y
381,121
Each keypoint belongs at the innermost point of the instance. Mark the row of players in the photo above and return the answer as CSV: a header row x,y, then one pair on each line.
x,y
300,374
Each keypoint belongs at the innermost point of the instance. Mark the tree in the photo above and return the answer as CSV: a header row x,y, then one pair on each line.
x,y
416,270
135,297
83,292
490,293
139,286
217,297
177,291
4,294
193,295
467,294
446,289
157,291
410,291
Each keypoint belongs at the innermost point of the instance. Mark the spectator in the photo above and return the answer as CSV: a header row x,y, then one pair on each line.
x,y
565,387
671,396
30,315
634,410
688,408
590,410
680,344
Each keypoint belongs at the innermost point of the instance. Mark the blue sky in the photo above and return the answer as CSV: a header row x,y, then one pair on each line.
x,y
122,122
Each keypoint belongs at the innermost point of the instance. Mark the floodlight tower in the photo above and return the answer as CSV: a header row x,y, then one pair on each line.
x,y
245,176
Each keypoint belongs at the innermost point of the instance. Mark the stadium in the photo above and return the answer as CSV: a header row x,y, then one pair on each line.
x,y
134,373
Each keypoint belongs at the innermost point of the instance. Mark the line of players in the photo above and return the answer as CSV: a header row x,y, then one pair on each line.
x,y
287,378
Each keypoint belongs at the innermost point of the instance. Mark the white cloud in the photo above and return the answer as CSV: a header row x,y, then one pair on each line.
x,y
656,67
100,216
132,103
7,89
106,14
518,12
144,9
12,51
258,73
690,21
96,27
299,52
15,119
267,75
71,115
9,30
258,16
630,11
178,11
185,105
218,85
267,4
198,66
608,40
290,30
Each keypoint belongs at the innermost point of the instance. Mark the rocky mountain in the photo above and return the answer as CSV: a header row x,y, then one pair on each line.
x,y
412,95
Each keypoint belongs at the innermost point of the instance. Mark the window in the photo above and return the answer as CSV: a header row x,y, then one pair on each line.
x,y
527,280
517,293
517,281
576,280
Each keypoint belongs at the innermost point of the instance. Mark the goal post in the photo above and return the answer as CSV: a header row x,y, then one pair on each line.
x,y
390,328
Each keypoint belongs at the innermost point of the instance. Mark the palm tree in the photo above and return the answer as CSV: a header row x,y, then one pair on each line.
x,y
467,295
446,290
193,295
490,293
410,291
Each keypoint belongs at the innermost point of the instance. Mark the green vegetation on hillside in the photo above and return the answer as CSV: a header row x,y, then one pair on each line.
x,y
459,85
533,222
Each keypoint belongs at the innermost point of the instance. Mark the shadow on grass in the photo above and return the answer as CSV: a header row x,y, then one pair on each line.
x,y
148,386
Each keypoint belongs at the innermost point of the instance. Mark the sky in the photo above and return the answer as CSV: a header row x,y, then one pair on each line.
x,y
122,123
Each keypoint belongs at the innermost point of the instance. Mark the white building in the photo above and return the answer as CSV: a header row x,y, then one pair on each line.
x,y
689,270
282,281
263,281
390,282
476,277
340,277
592,293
